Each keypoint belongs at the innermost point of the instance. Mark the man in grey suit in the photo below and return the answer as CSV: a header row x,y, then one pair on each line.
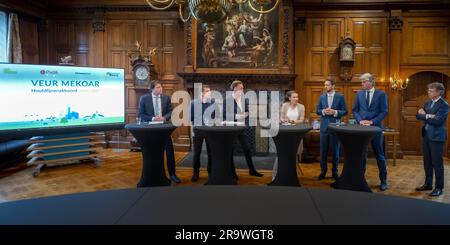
x,y
156,106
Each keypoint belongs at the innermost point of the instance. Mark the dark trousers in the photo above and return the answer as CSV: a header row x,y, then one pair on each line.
x,y
377,147
248,155
170,156
433,152
198,142
326,139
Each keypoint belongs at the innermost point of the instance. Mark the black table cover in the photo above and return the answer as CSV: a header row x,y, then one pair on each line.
x,y
287,141
220,140
224,205
355,139
152,139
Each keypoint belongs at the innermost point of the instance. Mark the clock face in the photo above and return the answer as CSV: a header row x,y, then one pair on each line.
x,y
141,73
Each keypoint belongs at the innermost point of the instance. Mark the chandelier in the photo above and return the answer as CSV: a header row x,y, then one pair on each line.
x,y
397,83
214,11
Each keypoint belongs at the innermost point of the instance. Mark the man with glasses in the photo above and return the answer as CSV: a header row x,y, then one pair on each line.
x,y
434,115
370,108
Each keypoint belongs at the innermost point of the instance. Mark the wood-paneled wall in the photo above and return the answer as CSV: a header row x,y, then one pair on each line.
x,y
29,38
422,43
321,61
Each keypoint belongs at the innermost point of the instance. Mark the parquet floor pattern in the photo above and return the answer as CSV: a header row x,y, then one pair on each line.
x,y
121,169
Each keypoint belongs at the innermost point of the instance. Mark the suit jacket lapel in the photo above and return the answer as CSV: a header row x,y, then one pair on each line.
x,y
435,106
374,97
362,97
151,108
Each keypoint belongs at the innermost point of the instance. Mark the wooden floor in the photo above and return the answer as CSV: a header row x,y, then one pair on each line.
x,y
121,169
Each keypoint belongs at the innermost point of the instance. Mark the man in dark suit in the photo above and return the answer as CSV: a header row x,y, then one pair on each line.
x,y
200,118
156,106
371,107
331,107
434,132
240,112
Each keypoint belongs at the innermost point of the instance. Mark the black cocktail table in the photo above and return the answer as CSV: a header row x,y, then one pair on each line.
x,y
152,138
220,140
355,139
287,141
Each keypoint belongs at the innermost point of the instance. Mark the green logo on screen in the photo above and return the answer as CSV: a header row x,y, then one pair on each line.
x,y
9,71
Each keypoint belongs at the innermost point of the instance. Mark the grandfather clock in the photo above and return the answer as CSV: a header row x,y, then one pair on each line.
x,y
143,73
346,58
142,68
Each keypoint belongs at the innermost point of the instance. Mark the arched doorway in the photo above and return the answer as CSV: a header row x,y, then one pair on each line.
x,y
413,99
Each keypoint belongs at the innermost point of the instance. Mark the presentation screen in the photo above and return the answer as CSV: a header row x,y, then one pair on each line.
x,y
41,99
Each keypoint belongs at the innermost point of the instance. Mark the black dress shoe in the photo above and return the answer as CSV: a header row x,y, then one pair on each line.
x,y
255,173
321,176
424,188
194,177
383,186
436,192
175,179
335,176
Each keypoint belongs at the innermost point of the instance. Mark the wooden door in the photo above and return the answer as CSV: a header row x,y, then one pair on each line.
x,y
413,99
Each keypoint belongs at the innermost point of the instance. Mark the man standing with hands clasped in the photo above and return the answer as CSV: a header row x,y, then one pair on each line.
x,y
331,107
370,108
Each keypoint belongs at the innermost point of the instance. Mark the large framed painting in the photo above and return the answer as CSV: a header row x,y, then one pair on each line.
x,y
240,41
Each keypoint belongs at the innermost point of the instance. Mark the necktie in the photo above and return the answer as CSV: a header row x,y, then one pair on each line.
x,y
157,110
367,98
432,104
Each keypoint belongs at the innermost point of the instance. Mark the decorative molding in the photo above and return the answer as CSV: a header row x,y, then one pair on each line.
x,y
188,32
285,81
98,25
43,26
300,23
108,8
395,23
285,41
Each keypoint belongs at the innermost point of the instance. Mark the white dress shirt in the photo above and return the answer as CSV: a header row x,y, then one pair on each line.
x,y
330,97
371,92
239,104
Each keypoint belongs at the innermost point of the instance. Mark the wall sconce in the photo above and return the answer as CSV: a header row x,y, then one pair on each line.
x,y
397,83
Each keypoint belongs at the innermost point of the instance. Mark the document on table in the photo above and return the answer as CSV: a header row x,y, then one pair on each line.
x,y
232,123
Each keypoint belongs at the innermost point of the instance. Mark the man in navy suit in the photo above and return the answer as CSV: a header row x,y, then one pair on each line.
x,y
371,107
156,106
434,133
240,112
331,107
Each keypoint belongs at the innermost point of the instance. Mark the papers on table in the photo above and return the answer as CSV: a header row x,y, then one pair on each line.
x,y
155,122
232,123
